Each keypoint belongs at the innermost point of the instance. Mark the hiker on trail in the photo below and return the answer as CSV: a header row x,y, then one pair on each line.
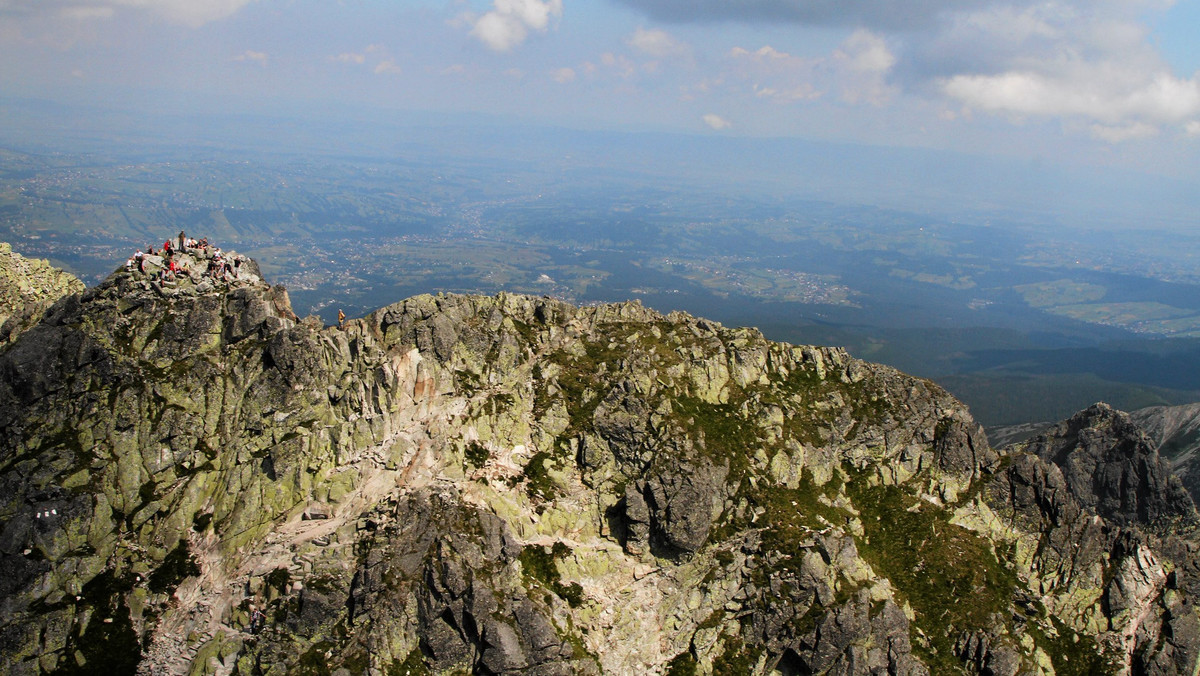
x,y
341,319
140,259
256,621
182,240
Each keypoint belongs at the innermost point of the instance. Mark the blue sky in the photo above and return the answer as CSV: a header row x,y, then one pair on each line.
x,y
1092,82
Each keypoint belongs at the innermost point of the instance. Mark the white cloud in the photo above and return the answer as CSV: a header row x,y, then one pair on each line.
x,y
764,53
251,56
388,67
802,92
509,22
862,64
1091,63
866,52
621,64
859,68
1192,128
563,75
657,43
349,57
716,121
1098,92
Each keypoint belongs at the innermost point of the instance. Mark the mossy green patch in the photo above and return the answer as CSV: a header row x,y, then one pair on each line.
x,y
538,563
738,658
1071,653
476,454
413,665
950,576
683,664
539,485
727,437
313,662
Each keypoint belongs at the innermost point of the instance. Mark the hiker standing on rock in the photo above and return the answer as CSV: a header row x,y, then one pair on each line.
x,y
341,319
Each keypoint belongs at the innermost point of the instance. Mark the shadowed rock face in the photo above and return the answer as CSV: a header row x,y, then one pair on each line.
x,y
1112,468
195,481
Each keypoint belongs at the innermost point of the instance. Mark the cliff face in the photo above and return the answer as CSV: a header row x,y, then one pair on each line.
x,y
193,481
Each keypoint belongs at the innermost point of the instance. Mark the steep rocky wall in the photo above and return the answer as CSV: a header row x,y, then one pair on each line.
x,y
195,482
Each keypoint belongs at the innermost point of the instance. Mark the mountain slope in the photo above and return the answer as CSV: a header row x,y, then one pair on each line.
x,y
195,481
1175,431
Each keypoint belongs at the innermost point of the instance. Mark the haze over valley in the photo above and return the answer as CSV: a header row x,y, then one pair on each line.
x,y
1026,313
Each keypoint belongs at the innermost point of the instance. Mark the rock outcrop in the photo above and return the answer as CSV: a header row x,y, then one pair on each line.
x,y
27,287
1113,469
195,481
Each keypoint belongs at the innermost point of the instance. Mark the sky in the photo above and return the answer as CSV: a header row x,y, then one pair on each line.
x,y
1090,82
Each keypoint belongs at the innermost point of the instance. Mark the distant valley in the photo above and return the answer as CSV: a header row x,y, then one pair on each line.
x,y
1024,321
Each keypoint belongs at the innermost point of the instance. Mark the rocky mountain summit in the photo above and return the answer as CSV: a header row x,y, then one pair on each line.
x,y
194,481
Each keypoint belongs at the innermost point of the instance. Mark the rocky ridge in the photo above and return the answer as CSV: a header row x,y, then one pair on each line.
x,y
28,286
195,481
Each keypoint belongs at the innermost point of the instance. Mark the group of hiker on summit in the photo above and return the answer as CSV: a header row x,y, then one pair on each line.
x,y
171,265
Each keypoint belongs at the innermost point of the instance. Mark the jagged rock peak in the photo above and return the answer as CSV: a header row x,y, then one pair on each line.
x,y
1113,469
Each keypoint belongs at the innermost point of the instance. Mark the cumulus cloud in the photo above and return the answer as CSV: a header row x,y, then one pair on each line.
x,y
657,43
349,57
184,12
866,52
715,121
1090,63
563,75
863,62
1192,128
1093,92
619,64
859,68
775,74
766,52
387,67
509,22
251,56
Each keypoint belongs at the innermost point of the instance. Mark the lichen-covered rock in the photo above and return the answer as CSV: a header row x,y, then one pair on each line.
x,y
28,286
192,480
